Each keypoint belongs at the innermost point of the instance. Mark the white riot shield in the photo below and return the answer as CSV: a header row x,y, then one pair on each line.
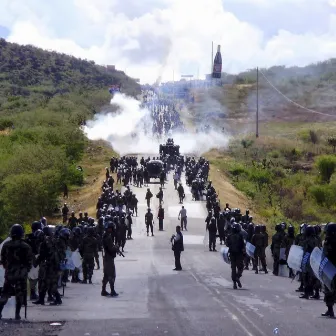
x,y
206,240
295,256
282,254
250,249
225,254
76,259
324,270
33,273
315,261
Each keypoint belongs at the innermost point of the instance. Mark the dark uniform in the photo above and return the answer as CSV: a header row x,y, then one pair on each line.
x,y
329,251
160,217
212,228
17,260
221,228
110,252
258,240
88,249
309,243
278,242
149,222
177,247
235,243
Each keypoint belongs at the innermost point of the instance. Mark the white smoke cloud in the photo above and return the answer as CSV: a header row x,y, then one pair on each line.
x,y
129,131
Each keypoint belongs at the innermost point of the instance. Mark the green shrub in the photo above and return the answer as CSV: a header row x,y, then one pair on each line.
x,y
324,195
326,165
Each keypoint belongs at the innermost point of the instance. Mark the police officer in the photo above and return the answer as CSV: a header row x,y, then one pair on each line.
x,y
177,247
258,241
110,252
212,229
17,260
235,243
278,242
329,251
88,248
149,220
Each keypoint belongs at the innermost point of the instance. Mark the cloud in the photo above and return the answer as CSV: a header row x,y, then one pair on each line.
x,y
151,38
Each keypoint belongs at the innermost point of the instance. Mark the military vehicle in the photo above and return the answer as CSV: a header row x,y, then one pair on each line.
x,y
154,168
170,148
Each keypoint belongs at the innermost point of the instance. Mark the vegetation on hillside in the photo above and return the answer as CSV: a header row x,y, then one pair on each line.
x,y
44,99
290,177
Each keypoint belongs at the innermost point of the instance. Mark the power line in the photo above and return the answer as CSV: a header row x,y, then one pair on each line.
x,y
292,101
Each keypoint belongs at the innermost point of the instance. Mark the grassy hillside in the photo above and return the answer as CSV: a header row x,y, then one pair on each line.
x,y
288,172
44,99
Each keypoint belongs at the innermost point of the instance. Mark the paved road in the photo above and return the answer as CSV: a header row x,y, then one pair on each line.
x,y
155,300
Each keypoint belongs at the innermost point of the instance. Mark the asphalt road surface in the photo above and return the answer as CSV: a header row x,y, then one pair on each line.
x,y
155,300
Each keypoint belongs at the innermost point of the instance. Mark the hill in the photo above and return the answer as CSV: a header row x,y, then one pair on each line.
x,y
44,99
288,172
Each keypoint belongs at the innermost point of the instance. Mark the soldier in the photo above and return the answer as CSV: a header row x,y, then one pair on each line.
x,y
309,243
236,245
129,222
177,247
75,242
49,259
31,240
221,228
160,196
180,191
160,217
278,242
87,250
290,242
299,239
329,251
110,252
149,220
212,229
17,260
65,211
72,221
259,242
148,197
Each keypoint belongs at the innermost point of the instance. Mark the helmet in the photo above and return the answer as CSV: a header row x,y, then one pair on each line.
x,y
278,227
257,229
65,233
303,227
263,228
330,229
236,228
91,221
17,231
77,231
318,230
291,231
47,231
283,225
39,234
90,231
310,230
86,214
44,221
85,227
101,220
36,226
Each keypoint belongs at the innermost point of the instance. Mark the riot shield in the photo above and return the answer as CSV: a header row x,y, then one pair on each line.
x,y
305,262
324,270
269,257
295,256
250,249
225,254
77,259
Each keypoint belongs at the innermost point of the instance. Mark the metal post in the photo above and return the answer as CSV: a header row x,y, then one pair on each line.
x,y
257,114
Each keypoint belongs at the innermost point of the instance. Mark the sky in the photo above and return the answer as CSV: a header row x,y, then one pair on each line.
x,y
151,39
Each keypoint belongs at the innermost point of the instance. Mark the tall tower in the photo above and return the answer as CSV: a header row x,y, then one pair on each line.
x,y
217,64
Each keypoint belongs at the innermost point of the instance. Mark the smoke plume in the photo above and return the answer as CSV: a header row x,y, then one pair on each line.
x,y
129,130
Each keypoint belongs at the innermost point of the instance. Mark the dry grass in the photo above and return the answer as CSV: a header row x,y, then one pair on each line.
x,y
226,191
5,132
97,157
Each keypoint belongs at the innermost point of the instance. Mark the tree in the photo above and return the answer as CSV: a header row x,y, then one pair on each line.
x,y
326,165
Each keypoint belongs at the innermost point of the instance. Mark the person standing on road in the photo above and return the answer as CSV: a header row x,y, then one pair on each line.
x,y
65,211
110,252
148,197
236,245
212,229
160,217
160,196
17,260
177,241
181,194
149,220
176,179
183,217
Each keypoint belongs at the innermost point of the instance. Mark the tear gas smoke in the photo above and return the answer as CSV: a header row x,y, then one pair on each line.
x,y
129,131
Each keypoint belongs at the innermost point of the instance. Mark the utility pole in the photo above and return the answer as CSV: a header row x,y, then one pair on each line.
x,y
257,114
